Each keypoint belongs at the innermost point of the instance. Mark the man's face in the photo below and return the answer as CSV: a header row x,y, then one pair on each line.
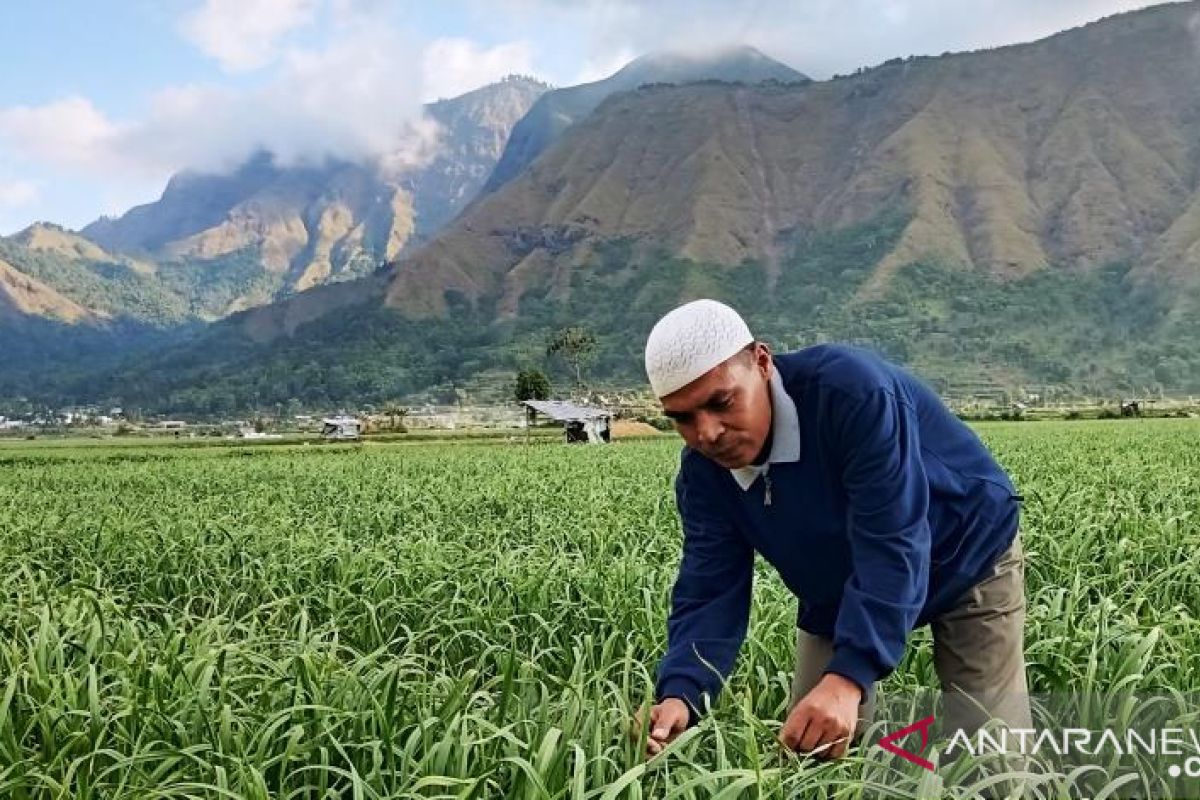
x,y
726,412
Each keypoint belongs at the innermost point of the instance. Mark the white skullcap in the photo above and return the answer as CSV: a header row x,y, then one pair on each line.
x,y
691,340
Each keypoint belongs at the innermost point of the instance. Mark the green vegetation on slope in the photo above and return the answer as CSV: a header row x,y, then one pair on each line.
x,y
211,286
112,288
1082,331
142,312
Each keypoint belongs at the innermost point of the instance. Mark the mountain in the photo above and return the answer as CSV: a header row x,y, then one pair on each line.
x,y
281,229
1072,153
67,306
559,109
216,244
107,285
45,237
1023,215
24,296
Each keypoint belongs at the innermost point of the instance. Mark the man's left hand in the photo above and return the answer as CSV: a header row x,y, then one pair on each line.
x,y
827,715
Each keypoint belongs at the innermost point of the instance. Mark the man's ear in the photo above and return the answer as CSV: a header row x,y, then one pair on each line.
x,y
762,358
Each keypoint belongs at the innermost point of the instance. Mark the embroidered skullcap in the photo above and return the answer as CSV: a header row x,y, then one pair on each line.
x,y
691,340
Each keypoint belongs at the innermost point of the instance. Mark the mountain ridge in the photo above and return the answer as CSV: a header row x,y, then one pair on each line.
x,y
1008,177
558,109
1027,213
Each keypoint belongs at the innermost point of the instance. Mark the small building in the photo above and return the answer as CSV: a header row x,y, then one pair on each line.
x,y
341,428
580,423
249,432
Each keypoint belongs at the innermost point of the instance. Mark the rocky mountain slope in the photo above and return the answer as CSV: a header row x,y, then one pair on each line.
x,y
1071,153
309,224
557,110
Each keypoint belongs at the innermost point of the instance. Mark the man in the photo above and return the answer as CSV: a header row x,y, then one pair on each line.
x,y
879,508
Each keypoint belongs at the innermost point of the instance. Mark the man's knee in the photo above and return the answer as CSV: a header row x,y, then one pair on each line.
x,y
979,649
813,654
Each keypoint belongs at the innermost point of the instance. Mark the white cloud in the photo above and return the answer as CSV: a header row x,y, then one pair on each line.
x,y
358,97
18,194
817,37
600,67
244,35
353,12
71,132
452,66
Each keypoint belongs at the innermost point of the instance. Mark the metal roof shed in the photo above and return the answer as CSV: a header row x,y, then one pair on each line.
x,y
341,428
580,423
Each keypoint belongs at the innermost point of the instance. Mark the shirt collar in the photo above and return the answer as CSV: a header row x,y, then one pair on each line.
x,y
785,434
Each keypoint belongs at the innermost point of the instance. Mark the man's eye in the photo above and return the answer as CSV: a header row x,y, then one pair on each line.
x,y
722,405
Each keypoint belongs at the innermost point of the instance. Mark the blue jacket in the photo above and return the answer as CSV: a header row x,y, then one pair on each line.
x,y
893,510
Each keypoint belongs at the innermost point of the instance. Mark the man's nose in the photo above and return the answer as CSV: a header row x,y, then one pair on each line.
x,y
709,429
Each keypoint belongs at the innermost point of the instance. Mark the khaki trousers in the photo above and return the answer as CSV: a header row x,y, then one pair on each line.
x,y
978,654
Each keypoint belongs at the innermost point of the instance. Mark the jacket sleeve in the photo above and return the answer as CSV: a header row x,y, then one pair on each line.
x,y
710,603
888,496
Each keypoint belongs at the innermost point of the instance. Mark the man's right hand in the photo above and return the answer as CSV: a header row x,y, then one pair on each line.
x,y
668,719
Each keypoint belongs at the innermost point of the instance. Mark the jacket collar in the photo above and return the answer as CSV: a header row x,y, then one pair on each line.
x,y
785,434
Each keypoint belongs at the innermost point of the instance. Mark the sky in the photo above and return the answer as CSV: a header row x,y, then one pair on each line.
x,y
100,103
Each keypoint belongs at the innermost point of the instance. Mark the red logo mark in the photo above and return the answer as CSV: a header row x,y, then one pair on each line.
x,y
889,742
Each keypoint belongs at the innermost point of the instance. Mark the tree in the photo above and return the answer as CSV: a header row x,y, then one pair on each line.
x,y
1172,372
396,414
576,346
532,384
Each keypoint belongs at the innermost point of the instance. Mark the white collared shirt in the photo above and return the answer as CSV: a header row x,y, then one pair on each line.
x,y
785,435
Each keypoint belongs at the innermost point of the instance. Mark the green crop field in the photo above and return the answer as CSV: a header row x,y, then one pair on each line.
x,y
481,620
